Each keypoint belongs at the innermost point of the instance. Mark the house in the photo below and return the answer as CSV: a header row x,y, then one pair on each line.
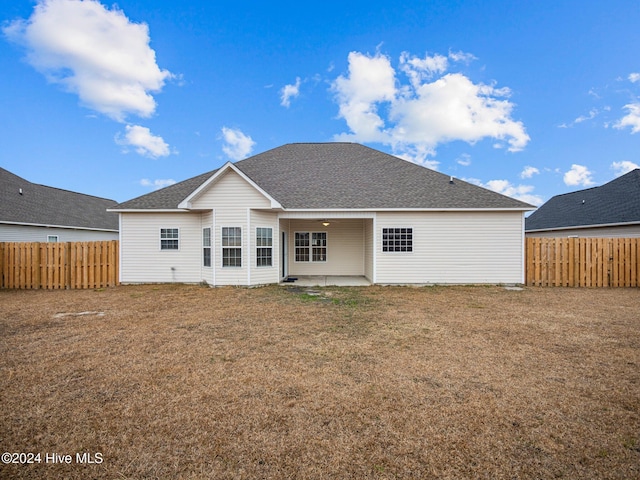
x,y
36,213
610,210
338,209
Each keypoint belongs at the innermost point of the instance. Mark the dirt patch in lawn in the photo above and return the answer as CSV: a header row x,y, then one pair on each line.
x,y
175,381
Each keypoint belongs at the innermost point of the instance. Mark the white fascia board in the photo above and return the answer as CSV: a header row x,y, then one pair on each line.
x,y
580,227
68,227
320,210
148,210
186,203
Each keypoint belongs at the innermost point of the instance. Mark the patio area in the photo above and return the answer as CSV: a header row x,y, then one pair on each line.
x,y
328,280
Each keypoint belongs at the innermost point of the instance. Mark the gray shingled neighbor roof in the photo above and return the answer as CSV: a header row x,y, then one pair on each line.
x,y
341,176
616,202
42,205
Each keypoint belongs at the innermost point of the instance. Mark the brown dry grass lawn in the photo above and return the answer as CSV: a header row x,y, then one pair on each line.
x,y
177,381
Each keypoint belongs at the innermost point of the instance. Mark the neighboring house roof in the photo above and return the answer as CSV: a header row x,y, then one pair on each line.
x,y
614,203
23,202
320,176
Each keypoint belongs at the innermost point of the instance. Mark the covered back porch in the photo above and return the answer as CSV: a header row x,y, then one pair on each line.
x,y
327,248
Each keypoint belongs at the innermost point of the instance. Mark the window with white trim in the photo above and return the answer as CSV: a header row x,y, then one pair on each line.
x,y
397,239
264,247
206,246
310,246
231,246
169,239
52,238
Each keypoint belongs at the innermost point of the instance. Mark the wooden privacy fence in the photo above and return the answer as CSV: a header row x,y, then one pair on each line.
x,y
583,262
59,265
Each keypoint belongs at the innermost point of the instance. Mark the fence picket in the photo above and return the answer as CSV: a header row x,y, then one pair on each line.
x,y
583,262
25,265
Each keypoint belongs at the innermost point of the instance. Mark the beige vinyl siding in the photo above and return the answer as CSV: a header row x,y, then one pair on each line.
x,y
345,247
31,233
628,231
230,190
265,275
230,217
142,260
231,199
453,248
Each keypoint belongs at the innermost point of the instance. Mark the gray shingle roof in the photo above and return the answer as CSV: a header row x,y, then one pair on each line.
x,y
342,176
42,205
615,202
166,198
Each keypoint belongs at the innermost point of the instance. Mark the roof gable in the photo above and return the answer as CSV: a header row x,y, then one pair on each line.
x,y
192,200
323,176
23,202
616,202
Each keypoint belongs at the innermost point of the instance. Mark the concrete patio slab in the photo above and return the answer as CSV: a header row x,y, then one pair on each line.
x,y
330,280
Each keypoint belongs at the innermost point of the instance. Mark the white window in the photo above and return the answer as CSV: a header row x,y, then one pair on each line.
x,y
169,239
52,238
264,247
231,246
397,239
206,246
311,246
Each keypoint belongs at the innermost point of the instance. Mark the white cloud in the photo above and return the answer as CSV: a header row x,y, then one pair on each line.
x,y
632,119
625,166
93,52
583,118
529,172
519,192
464,160
421,115
593,113
578,175
158,183
143,141
461,57
420,69
238,145
371,80
288,92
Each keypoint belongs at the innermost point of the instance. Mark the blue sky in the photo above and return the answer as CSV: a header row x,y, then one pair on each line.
x,y
530,99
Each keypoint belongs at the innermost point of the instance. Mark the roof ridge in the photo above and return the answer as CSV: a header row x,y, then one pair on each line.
x,y
635,171
64,190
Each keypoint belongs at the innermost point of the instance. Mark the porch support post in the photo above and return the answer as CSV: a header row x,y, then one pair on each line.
x,y
375,249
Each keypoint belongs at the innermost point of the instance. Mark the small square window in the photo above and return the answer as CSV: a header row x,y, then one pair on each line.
x,y
397,239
